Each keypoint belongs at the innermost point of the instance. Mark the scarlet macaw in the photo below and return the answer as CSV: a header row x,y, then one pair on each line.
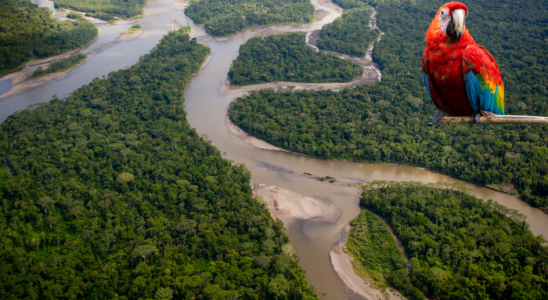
x,y
462,77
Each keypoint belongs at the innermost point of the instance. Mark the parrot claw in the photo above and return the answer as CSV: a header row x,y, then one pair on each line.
x,y
437,117
475,118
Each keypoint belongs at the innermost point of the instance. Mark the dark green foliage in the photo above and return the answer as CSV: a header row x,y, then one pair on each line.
x,y
225,17
76,16
29,32
460,246
105,9
349,4
371,243
386,121
349,34
286,57
111,194
61,65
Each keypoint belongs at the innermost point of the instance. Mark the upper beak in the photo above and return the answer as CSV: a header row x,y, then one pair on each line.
x,y
458,22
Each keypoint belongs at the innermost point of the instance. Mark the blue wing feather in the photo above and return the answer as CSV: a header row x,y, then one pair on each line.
x,y
427,85
484,85
481,98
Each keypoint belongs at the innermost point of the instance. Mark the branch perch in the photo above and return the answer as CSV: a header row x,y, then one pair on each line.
x,y
506,119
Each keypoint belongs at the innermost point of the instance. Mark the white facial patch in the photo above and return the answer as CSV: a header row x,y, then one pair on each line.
x,y
444,19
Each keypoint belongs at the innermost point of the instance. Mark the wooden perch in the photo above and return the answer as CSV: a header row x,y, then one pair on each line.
x,y
507,119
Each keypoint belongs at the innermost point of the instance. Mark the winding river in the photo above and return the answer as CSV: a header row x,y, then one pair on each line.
x,y
207,108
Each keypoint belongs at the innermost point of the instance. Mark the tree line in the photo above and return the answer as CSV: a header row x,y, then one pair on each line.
x,y
460,247
226,17
110,193
61,65
29,32
375,252
386,121
105,9
286,57
338,37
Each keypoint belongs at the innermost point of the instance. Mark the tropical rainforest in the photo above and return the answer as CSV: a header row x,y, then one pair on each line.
x,y
286,57
386,121
350,4
110,193
61,65
226,17
105,9
376,254
338,37
460,247
29,32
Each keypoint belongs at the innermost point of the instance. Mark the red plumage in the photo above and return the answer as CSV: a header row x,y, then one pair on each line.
x,y
449,56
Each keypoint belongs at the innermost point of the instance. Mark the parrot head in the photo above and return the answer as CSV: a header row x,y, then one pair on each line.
x,y
449,22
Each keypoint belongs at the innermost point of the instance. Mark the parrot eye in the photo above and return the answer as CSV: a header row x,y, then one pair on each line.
x,y
442,12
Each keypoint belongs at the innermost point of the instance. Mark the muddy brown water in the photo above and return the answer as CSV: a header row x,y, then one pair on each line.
x,y
207,108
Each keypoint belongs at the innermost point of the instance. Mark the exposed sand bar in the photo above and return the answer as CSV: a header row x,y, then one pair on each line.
x,y
290,205
341,261
125,36
21,83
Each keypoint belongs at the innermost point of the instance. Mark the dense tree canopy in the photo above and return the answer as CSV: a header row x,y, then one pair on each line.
x,y
29,32
460,247
286,57
386,121
226,17
349,34
111,194
349,4
377,256
105,9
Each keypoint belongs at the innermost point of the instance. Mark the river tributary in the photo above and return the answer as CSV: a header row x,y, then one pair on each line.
x,y
207,107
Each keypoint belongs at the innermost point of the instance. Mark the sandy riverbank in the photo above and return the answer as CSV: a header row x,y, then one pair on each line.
x,y
370,75
371,72
249,139
290,205
206,61
342,263
119,21
125,36
180,4
22,83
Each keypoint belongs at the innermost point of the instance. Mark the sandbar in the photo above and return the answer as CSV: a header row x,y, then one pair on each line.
x,y
125,36
290,205
21,83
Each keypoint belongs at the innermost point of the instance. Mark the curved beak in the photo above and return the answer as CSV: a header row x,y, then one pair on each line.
x,y
457,20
